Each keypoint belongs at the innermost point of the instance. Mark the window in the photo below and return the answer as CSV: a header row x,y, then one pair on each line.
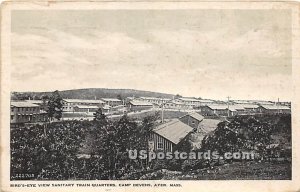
x,y
11,117
160,145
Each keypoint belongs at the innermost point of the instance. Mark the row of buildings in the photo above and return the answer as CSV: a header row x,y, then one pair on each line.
x,y
34,110
168,136
108,105
178,103
243,109
132,104
85,105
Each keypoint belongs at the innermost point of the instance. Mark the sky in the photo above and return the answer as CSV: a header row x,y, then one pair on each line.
x,y
245,54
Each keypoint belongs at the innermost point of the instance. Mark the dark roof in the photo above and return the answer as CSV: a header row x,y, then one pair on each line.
x,y
111,99
195,115
275,107
208,125
174,130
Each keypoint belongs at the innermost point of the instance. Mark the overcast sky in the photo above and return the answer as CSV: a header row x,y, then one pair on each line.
x,y
245,54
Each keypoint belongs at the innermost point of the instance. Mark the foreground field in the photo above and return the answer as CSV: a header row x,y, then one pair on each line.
x,y
234,171
98,150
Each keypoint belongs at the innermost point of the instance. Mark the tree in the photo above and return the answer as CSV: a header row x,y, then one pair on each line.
x,y
177,96
119,97
148,124
44,105
100,117
55,106
35,97
185,145
44,97
113,140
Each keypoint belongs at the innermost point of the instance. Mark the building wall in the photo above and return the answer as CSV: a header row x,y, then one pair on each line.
x,y
139,107
189,103
154,101
85,110
206,111
176,106
192,122
69,106
160,143
26,115
274,111
113,103
250,111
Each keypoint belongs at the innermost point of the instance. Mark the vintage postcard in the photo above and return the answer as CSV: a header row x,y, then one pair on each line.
x,y
152,96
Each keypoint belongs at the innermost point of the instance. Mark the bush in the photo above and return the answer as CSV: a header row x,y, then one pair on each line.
x,y
174,164
153,176
189,165
159,164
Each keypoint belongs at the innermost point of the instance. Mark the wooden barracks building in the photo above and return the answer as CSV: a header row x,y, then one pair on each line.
x,y
26,112
166,136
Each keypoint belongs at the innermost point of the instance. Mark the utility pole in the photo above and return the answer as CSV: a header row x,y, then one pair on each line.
x,y
162,111
228,97
123,108
277,106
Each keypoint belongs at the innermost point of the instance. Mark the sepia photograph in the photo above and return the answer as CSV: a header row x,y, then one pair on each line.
x,y
147,93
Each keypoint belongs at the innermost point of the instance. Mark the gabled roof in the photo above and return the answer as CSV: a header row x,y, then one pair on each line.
x,y
83,101
264,102
243,101
248,106
111,99
174,130
275,107
175,102
22,104
236,107
208,125
35,101
194,115
140,103
155,98
206,101
188,99
218,107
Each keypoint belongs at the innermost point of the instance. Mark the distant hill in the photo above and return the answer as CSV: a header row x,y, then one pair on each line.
x,y
92,93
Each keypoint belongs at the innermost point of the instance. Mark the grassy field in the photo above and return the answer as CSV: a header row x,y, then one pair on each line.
x,y
234,171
